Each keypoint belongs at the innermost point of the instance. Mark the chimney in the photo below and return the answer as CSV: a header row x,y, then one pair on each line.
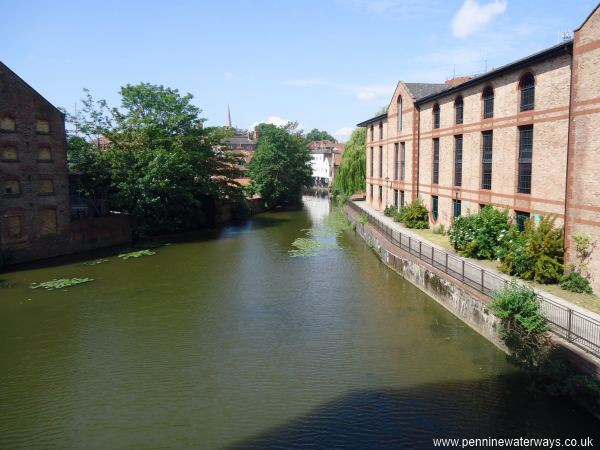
x,y
456,81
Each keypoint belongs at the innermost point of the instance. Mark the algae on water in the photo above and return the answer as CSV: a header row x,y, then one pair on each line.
x,y
59,283
136,254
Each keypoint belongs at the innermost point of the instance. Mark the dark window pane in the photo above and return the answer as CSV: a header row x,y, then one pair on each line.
x,y
434,208
380,162
458,141
459,110
488,103
486,161
403,165
525,158
527,92
436,116
436,161
395,161
456,208
401,199
399,113
521,218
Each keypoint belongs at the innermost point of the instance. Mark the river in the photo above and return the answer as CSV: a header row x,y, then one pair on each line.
x,y
226,341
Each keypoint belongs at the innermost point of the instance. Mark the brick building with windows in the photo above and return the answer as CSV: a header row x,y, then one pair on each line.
x,y
525,136
33,169
35,214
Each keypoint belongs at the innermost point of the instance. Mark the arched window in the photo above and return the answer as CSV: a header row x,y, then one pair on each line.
x,y
458,110
399,113
488,102
372,137
436,116
527,86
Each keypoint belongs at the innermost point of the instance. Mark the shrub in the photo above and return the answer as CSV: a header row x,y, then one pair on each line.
x,y
536,253
389,211
574,282
414,216
481,236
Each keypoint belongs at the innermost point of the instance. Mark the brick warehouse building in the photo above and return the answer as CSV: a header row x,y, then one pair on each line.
x,y
35,214
525,136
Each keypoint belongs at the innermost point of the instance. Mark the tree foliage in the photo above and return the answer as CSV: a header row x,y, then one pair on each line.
x,y
352,172
319,135
280,167
161,165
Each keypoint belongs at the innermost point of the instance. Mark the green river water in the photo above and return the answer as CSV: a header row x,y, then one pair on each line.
x,y
229,342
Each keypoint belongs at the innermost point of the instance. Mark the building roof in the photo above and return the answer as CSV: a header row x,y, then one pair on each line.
x,y
372,119
240,140
559,49
326,147
5,67
420,90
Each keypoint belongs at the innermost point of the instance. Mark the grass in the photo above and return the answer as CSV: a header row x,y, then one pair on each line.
x,y
437,239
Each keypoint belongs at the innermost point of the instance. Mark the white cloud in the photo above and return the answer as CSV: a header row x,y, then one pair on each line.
x,y
228,76
472,16
343,133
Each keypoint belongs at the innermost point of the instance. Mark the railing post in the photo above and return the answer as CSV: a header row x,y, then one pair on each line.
x,y
570,323
446,265
482,285
432,256
409,244
420,243
463,271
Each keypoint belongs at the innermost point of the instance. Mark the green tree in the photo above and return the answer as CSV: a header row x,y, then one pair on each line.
x,y
318,135
351,174
163,167
280,167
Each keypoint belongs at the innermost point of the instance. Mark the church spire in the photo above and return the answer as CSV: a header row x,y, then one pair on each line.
x,y
228,126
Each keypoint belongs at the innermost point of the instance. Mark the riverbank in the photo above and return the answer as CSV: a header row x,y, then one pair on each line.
x,y
465,289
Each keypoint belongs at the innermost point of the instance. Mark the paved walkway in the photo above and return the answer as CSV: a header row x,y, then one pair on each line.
x,y
573,322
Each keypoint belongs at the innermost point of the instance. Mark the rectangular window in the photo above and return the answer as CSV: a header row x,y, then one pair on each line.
x,y
456,208
44,154
380,161
436,161
380,194
372,135
525,158
380,130
521,217
371,160
9,154
371,193
14,226
486,160
12,187
45,187
396,198
434,208
459,112
458,151
401,199
395,161
403,161
7,124
47,222
488,104
42,127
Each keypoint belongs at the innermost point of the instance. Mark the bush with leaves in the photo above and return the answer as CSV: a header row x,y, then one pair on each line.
x,y
575,282
389,211
413,216
481,236
351,175
536,253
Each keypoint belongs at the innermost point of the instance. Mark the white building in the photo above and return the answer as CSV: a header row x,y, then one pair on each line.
x,y
326,157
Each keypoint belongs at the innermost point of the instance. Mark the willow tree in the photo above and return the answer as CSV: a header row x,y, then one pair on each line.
x,y
352,173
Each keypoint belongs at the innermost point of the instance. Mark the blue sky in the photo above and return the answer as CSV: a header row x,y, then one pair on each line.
x,y
326,63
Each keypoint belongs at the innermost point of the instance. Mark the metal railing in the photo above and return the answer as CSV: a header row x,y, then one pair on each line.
x,y
575,327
